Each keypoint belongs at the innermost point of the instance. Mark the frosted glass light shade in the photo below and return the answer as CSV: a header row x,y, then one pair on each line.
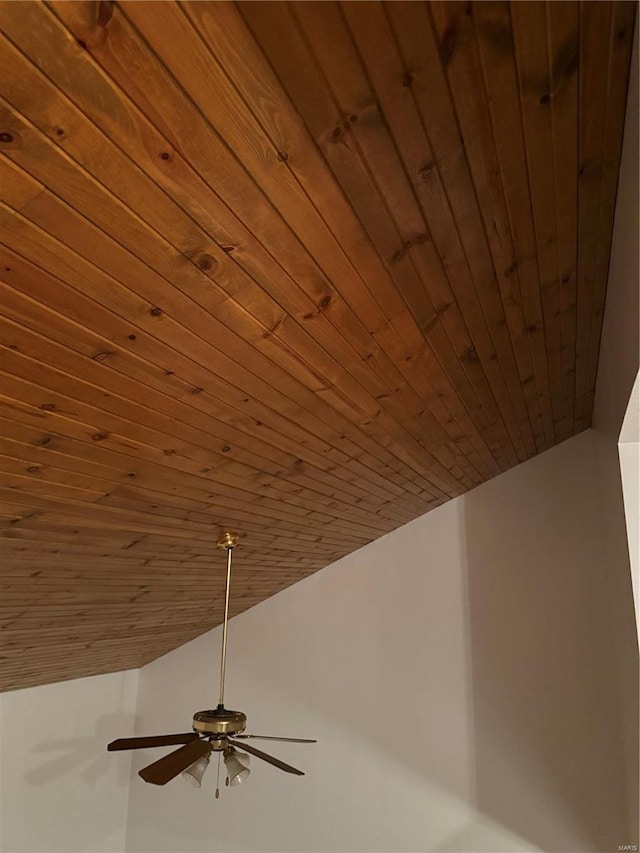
x,y
194,774
237,766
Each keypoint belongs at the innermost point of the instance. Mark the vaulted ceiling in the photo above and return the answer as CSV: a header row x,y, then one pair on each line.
x,y
301,270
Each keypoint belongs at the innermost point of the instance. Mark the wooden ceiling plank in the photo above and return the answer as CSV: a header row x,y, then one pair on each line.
x,y
375,457
85,566
531,52
245,136
372,34
133,456
75,419
159,544
106,516
454,31
494,38
620,47
482,306
20,309
243,522
28,484
563,21
595,29
301,166
20,245
56,449
12,465
434,100
58,262
229,509
20,31
219,461
261,89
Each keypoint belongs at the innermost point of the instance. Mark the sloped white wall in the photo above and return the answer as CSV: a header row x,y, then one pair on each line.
x,y
617,369
629,451
457,674
60,791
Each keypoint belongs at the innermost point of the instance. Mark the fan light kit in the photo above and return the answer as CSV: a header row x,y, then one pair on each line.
x,y
218,730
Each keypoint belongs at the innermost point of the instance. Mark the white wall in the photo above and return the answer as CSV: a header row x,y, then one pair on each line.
x,y
617,370
480,627
59,788
629,451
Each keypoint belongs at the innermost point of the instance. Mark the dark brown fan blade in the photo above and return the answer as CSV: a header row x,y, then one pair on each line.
x,y
144,742
269,737
168,767
268,758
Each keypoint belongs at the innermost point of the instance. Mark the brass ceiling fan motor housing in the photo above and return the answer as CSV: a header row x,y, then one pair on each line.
x,y
219,722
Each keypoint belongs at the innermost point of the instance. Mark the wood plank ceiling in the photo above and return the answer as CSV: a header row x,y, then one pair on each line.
x,y
304,270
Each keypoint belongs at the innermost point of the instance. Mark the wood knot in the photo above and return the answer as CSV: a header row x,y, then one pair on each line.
x,y
228,249
545,99
164,155
283,156
169,452
226,449
448,44
427,172
429,324
336,134
324,302
5,136
132,337
105,12
33,469
273,328
101,356
407,80
206,262
532,327
197,390
470,354
100,436
498,34
155,312
48,407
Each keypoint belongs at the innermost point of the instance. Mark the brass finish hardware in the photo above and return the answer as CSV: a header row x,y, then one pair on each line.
x,y
227,540
219,722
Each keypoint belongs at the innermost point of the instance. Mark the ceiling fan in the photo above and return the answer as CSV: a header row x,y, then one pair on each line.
x,y
214,731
